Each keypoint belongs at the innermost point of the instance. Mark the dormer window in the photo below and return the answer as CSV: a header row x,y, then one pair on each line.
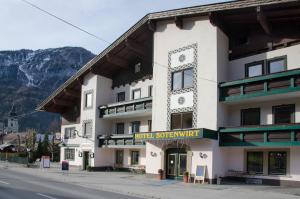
x,y
137,67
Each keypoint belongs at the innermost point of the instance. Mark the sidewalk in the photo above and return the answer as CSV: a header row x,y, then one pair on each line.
x,y
139,185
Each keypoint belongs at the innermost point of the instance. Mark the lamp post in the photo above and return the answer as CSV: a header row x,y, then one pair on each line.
x,y
28,156
77,133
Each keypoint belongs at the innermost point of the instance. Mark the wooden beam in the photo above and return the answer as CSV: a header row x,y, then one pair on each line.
x,y
118,61
151,25
215,20
61,102
72,93
262,19
136,47
79,80
95,71
178,22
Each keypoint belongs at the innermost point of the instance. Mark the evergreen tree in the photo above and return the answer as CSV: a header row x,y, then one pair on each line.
x,y
39,150
45,145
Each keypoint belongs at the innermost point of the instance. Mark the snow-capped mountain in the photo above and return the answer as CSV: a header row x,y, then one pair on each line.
x,y
27,77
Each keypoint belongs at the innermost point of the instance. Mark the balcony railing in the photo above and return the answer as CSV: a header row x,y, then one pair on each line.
x,y
120,141
277,83
263,136
142,105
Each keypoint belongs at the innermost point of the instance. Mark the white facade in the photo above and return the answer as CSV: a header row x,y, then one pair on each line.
x,y
102,92
195,106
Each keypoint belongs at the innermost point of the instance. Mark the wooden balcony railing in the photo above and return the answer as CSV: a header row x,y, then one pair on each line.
x,y
120,141
129,107
277,83
264,135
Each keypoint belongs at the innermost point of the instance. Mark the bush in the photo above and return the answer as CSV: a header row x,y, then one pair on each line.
x,y
89,168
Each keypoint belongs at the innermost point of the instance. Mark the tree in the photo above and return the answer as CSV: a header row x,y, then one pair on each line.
x,y
30,139
45,145
39,150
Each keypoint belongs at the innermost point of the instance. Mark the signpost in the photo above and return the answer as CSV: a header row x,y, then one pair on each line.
x,y
45,162
65,167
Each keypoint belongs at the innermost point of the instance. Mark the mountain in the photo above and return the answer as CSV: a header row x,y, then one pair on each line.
x,y
27,77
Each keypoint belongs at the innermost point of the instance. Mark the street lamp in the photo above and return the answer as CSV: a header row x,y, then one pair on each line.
x,y
77,133
28,156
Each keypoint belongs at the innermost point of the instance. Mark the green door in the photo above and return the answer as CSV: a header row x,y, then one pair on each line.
x,y
175,163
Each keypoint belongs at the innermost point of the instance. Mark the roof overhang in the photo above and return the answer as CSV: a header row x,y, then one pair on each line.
x,y
71,88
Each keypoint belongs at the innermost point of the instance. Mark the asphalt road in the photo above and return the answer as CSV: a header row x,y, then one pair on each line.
x,y
15,185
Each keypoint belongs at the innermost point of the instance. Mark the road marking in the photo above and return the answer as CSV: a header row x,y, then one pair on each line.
x,y
40,194
3,182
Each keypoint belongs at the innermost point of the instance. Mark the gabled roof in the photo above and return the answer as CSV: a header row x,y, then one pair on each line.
x,y
157,16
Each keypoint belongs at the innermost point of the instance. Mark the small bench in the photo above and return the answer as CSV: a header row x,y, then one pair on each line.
x,y
138,169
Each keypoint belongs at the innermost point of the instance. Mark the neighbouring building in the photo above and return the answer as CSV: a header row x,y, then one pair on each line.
x,y
215,85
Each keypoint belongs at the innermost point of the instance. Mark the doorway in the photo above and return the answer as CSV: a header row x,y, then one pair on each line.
x,y
176,163
86,157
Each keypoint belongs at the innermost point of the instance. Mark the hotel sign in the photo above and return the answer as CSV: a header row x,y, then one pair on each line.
x,y
169,135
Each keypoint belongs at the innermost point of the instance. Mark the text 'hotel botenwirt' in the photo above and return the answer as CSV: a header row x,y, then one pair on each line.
x,y
215,85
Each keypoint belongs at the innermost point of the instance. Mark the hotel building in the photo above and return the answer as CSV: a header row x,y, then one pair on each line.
x,y
215,85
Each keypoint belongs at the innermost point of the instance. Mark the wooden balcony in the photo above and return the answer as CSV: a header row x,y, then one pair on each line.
x,y
272,84
261,136
120,141
134,108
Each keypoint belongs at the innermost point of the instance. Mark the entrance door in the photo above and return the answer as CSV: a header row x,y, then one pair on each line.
x,y
119,158
176,163
85,160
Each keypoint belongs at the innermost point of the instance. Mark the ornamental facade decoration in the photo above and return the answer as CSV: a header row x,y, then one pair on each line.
x,y
182,58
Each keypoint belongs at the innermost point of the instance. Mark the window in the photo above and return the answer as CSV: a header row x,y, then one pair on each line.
x,y
255,162
150,91
263,67
176,80
182,120
182,79
276,65
136,94
188,78
250,116
135,127
135,157
119,157
88,102
277,163
137,67
121,97
69,154
120,128
149,125
87,129
255,69
284,114
70,133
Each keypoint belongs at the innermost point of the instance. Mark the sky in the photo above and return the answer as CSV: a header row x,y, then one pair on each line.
x,y
24,27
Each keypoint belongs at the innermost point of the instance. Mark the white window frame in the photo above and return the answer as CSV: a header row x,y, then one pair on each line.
x,y
84,129
86,104
133,95
69,155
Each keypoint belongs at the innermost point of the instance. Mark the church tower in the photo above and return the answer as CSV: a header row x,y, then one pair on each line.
x,y
12,121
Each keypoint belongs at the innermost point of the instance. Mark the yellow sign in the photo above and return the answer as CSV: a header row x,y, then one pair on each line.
x,y
169,135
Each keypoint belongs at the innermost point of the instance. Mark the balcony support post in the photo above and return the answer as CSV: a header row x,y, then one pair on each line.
x,y
266,86
242,90
293,136
265,136
292,80
242,137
